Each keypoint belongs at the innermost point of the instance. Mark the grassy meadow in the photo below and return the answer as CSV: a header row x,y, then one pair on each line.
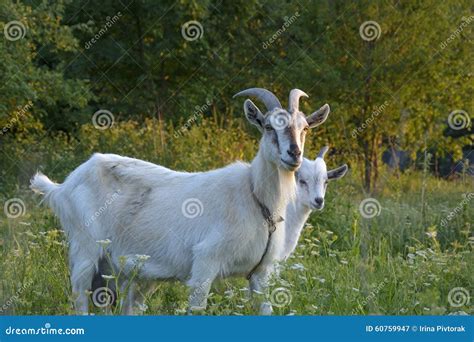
x,y
403,261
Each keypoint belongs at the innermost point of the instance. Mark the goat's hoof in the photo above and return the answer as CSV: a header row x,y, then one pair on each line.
x,y
266,309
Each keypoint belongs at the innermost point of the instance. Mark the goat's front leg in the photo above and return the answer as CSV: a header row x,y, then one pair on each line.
x,y
134,304
258,285
203,274
129,288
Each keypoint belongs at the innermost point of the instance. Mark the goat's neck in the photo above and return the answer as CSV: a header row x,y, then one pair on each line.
x,y
296,216
273,187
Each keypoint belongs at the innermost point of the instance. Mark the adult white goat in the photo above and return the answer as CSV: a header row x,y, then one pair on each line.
x,y
312,179
194,226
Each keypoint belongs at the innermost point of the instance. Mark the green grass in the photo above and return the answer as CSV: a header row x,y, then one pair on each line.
x,y
401,262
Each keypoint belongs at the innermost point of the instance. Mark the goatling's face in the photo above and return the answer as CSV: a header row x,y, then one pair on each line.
x,y
284,133
312,180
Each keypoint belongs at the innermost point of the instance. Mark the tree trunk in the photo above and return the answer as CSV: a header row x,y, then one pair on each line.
x,y
368,149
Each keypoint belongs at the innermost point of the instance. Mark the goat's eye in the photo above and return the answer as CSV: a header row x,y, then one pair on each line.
x,y
306,129
302,182
268,127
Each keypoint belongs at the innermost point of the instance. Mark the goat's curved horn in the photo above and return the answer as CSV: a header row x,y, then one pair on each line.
x,y
294,100
267,97
323,152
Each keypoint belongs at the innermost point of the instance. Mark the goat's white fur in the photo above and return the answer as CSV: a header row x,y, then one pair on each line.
x,y
226,239
311,184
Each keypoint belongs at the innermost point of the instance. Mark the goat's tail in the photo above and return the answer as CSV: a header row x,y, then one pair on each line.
x,y
43,185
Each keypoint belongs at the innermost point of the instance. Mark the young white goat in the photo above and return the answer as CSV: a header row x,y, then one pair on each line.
x,y
312,179
193,226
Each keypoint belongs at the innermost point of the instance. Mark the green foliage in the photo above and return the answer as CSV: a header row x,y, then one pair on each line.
x,y
132,59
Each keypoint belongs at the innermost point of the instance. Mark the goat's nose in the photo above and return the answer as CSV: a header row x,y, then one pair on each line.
x,y
319,201
294,151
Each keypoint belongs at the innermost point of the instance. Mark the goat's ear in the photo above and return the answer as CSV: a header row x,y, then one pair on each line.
x,y
253,114
338,172
319,116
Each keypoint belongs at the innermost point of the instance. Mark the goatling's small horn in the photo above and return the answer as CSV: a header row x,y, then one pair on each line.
x,y
323,151
294,100
267,97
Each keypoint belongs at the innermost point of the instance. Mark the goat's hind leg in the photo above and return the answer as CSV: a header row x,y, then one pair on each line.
x,y
82,273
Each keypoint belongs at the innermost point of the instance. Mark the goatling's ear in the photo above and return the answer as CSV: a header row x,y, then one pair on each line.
x,y
338,172
323,152
319,116
253,114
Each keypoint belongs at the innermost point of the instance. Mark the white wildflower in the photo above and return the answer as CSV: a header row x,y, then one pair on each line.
x,y
298,267
104,243
142,257
108,277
